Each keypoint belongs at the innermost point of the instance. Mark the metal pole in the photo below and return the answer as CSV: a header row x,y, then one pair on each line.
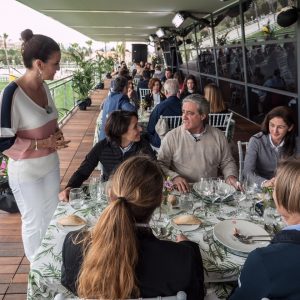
x,y
243,41
214,47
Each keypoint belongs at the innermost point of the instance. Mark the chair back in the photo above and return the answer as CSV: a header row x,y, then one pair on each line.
x,y
242,153
221,121
143,93
179,296
172,121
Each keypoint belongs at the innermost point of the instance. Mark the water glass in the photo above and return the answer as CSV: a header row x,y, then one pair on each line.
x,y
186,202
270,215
94,187
76,198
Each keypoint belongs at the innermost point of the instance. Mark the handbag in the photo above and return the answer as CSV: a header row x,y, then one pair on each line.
x,y
7,199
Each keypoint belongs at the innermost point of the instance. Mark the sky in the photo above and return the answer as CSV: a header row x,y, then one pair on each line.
x,y
15,17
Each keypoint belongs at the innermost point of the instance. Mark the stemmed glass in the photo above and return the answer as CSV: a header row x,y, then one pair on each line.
x,y
76,198
94,187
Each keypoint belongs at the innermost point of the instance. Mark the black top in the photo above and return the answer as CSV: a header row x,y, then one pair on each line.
x,y
163,269
110,156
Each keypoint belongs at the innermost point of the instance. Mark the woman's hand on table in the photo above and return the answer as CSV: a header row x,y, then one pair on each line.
x,y
269,183
181,237
64,195
181,184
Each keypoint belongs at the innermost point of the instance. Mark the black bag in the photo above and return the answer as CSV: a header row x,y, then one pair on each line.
x,y
7,199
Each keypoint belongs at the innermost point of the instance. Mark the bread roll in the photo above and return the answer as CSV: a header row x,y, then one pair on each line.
x,y
186,220
71,220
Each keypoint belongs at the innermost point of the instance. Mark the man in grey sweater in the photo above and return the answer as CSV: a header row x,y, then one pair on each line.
x,y
196,150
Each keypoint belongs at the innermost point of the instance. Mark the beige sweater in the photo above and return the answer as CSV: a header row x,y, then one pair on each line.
x,y
183,156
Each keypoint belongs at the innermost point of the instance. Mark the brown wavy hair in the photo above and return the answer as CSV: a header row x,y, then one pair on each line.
x,y
287,115
111,254
213,94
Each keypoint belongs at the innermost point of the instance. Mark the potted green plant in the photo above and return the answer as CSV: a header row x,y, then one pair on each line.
x,y
83,77
103,65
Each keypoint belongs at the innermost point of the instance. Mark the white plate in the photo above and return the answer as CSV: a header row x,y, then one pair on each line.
x,y
223,233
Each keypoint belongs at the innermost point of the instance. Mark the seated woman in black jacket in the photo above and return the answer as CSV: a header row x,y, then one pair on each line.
x,y
120,258
123,141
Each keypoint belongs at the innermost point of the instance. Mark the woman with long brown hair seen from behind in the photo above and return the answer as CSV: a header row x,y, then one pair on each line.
x,y
213,95
120,258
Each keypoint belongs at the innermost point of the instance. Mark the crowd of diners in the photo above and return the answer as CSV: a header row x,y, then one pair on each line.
x,y
120,257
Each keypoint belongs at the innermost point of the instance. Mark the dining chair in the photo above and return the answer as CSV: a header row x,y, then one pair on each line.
x,y
143,93
172,121
241,146
221,121
179,296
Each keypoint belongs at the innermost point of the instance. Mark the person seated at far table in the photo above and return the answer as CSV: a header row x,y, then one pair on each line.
x,y
115,100
272,272
189,87
120,258
213,94
123,141
169,107
276,140
155,96
196,150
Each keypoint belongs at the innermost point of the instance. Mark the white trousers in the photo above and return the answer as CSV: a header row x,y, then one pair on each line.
x,y
37,200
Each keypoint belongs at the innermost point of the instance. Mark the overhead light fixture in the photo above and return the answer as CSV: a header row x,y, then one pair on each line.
x,y
160,32
178,19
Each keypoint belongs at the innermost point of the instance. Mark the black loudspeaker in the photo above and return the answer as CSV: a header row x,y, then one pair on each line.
x,y
139,52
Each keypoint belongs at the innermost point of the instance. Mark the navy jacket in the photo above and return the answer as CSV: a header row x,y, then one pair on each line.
x,y
110,156
273,271
169,107
114,101
163,269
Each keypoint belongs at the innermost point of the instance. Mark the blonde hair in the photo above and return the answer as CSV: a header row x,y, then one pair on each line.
x,y
111,255
287,185
213,94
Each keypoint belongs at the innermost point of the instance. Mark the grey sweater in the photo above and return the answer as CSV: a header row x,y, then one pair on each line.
x,y
261,158
193,160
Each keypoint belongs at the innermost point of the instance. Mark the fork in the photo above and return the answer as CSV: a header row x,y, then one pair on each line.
x,y
248,237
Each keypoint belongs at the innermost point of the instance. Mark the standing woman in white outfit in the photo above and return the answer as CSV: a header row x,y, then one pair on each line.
x,y
30,136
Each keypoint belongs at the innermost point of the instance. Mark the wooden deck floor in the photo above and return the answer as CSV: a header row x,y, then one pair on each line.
x,y
79,129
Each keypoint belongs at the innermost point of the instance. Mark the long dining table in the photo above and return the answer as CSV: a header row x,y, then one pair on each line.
x,y
222,267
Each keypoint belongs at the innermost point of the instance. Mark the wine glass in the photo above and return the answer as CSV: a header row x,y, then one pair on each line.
x,y
76,197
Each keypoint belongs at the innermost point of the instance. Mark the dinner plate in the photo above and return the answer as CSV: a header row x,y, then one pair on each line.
x,y
223,233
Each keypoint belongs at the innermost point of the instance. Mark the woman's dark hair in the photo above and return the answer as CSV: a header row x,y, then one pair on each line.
x,y
190,77
287,115
117,124
119,84
36,46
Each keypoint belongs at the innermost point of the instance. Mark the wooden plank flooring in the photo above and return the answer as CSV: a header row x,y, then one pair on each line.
x,y
79,129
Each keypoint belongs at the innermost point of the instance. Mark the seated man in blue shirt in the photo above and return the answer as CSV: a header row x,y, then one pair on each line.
x,y
116,100
169,107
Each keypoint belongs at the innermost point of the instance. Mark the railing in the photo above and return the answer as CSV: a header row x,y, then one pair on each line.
x,y
63,95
